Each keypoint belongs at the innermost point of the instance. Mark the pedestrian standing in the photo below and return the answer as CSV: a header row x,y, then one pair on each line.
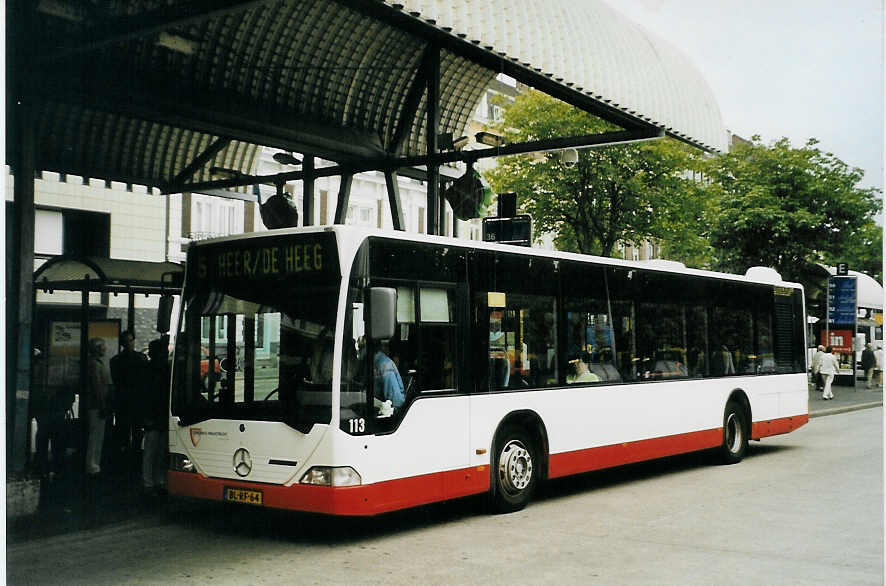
x,y
156,419
816,368
98,405
829,367
128,373
878,369
868,364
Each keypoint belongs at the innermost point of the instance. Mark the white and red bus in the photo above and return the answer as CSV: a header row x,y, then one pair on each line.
x,y
517,365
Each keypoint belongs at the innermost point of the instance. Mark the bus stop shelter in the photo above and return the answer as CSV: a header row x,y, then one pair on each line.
x,y
182,95
105,276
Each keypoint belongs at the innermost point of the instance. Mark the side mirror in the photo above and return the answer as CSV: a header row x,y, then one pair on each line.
x,y
382,312
164,313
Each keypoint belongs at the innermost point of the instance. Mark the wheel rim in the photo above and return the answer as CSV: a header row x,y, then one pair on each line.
x,y
514,467
734,433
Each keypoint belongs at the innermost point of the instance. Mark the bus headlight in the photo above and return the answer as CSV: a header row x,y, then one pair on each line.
x,y
330,476
180,463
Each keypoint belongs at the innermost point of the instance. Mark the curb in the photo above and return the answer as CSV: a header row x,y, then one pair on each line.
x,y
845,409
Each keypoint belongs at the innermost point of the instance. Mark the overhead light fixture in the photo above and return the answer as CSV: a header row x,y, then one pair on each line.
x,y
489,139
177,43
286,158
225,173
61,10
569,157
446,142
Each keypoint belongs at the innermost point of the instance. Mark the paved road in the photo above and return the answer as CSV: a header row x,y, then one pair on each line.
x,y
806,508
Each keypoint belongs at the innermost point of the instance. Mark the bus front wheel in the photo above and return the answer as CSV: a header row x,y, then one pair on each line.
x,y
735,433
514,469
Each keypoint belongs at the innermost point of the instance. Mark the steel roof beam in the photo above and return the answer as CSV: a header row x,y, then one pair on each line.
x,y
217,115
200,160
405,165
410,105
129,27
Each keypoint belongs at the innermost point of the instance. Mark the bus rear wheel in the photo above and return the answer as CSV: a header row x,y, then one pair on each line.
x,y
514,469
735,433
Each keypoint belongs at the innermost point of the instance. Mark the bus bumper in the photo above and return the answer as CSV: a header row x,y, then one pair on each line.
x,y
364,500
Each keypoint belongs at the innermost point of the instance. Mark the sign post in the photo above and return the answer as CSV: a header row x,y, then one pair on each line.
x,y
841,323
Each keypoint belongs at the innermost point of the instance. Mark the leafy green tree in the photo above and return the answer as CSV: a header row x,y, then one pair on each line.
x,y
787,208
863,251
612,194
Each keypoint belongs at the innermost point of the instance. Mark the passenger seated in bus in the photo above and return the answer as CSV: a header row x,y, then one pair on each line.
x,y
580,371
387,384
601,365
669,364
721,362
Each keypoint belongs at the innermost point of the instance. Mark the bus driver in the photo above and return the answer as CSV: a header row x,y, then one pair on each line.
x,y
386,382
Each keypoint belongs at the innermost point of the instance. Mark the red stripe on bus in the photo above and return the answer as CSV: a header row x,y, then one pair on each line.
x,y
590,459
579,461
778,426
391,495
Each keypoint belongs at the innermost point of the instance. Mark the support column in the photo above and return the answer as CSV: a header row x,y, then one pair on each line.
x,y
130,313
21,290
394,199
308,191
432,126
84,374
344,197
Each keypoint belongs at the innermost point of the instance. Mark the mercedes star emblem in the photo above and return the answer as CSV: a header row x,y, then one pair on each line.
x,y
242,462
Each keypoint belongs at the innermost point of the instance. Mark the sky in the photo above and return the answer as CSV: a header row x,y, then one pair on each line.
x,y
786,68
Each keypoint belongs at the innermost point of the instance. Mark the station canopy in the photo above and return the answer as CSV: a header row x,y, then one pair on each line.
x,y
166,93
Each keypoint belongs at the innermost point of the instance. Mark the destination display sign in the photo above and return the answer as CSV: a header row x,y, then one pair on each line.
x,y
260,259
842,308
514,230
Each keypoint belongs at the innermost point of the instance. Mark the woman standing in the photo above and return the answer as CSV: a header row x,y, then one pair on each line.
x,y
98,405
828,368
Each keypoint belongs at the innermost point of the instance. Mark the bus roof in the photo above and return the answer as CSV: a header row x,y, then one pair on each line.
x,y
353,236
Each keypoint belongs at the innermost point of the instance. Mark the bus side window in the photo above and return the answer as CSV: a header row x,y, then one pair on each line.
x,y
589,342
436,363
522,342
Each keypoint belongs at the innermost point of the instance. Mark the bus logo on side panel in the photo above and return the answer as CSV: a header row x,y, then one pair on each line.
x,y
196,432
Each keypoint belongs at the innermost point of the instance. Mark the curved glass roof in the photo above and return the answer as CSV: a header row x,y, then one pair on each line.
x,y
171,92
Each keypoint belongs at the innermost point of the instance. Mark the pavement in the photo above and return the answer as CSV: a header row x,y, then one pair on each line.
x,y
845,399
38,508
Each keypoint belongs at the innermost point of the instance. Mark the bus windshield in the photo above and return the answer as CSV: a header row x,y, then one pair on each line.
x,y
255,349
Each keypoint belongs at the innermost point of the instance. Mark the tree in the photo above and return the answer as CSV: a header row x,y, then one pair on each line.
x,y
787,208
612,194
863,251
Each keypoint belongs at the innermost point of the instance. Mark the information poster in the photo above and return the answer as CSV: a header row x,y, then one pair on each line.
x,y
842,315
63,362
